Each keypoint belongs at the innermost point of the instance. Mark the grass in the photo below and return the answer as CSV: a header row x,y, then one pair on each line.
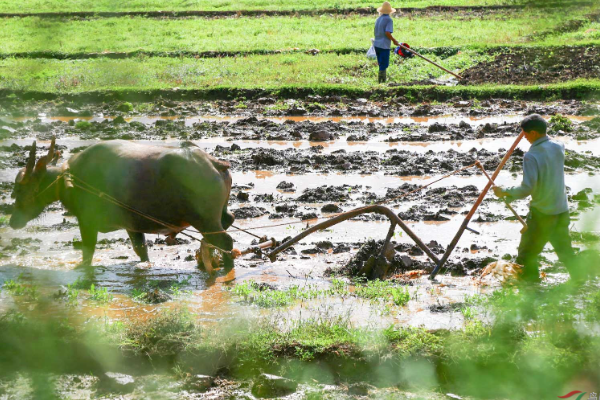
x,y
154,292
101,295
383,290
266,297
253,293
284,76
33,34
176,287
17,287
560,123
168,333
538,342
16,6
246,72
83,125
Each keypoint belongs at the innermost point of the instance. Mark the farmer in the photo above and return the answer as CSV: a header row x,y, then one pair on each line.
x,y
384,26
548,218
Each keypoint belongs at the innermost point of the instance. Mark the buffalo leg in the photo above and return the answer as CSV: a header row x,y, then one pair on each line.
x,y
89,237
138,242
225,242
221,240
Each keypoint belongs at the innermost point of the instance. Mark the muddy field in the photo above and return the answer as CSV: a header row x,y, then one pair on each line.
x,y
292,167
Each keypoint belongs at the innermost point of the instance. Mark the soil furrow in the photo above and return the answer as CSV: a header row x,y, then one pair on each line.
x,y
536,65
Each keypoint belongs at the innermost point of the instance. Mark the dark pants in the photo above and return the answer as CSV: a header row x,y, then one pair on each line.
x,y
383,58
542,229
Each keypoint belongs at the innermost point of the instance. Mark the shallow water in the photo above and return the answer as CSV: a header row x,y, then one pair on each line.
x,y
425,120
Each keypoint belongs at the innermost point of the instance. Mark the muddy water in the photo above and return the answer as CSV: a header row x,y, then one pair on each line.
x,y
50,263
428,120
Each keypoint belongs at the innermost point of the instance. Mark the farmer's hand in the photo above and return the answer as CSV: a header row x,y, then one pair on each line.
x,y
500,192
397,43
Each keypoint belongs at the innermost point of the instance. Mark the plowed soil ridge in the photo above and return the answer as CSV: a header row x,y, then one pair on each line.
x,y
536,65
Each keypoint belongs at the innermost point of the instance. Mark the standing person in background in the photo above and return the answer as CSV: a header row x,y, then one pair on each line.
x,y
384,26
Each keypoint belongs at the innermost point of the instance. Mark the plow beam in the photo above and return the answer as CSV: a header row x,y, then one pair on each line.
x,y
377,209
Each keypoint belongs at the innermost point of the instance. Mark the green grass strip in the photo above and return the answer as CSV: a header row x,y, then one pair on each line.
x,y
301,70
579,90
325,33
16,6
292,75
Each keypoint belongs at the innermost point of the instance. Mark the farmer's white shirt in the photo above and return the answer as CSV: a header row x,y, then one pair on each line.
x,y
543,177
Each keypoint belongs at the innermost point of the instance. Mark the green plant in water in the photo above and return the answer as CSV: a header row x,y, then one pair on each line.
x,y
166,334
382,290
80,284
176,287
339,287
100,295
468,312
560,123
400,295
83,125
72,294
18,288
139,295
253,293
475,299
125,107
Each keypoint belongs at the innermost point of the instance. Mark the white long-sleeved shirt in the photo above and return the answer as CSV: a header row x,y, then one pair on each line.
x,y
543,178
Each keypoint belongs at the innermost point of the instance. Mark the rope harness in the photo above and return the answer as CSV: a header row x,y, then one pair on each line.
x,y
79,183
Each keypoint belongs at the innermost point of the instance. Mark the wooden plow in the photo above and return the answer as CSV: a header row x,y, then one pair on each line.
x,y
382,265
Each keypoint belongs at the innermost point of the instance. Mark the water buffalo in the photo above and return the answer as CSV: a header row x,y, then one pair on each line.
x,y
179,187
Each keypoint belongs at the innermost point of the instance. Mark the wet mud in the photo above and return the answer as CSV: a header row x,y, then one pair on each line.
x,y
394,162
312,105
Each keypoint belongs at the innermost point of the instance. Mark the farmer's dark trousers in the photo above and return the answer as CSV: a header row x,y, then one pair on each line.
x,y
542,229
383,58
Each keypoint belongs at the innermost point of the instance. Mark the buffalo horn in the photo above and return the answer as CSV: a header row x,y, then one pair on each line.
x,y
30,161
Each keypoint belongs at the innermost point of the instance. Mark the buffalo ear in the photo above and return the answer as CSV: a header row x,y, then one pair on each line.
x,y
57,155
44,161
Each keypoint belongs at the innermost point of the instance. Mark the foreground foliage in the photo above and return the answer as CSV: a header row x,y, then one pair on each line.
x,y
539,340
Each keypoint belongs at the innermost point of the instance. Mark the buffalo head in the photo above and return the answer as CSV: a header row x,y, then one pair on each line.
x,y
30,184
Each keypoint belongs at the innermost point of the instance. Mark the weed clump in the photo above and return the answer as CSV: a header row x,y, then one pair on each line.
x,y
167,334
383,290
125,107
83,125
560,123
19,288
